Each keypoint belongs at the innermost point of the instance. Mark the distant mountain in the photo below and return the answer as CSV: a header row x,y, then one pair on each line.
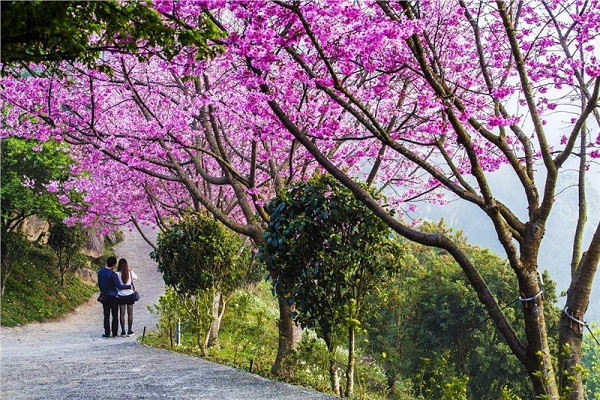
x,y
556,250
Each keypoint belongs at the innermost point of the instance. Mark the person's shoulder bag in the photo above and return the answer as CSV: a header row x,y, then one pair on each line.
x,y
136,295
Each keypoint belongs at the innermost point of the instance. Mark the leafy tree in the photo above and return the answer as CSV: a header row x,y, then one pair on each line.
x,y
36,181
49,31
430,327
327,252
35,178
199,257
66,241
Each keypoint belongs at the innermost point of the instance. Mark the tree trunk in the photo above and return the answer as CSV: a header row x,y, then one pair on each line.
x,y
582,203
572,323
290,335
351,361
202,341
216,312
571,385
538,360
333,373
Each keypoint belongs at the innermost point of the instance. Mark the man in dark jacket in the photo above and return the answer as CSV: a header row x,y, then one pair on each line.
x,y
108,282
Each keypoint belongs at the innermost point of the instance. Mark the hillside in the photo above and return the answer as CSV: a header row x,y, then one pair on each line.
x,y
555,253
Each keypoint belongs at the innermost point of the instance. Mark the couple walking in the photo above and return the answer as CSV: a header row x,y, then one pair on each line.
x,y
118,291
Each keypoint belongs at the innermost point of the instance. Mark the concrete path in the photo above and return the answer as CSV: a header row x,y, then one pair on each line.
x,y
68,359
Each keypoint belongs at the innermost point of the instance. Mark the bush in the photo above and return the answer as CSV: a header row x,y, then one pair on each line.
x,y
248,338
309,363
249,331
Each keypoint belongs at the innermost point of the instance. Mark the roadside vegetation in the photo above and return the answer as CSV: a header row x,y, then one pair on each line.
x,y
447,354
33,292
38,290
38,274
375,327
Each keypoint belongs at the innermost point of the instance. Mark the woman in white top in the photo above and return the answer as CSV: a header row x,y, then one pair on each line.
x,y
126,299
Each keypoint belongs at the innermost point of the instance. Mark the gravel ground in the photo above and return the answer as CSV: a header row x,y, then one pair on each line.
x,y
68,359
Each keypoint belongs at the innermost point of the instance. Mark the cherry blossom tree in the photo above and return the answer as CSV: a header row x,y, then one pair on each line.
x,y
161,140
424,101
156,152
439,96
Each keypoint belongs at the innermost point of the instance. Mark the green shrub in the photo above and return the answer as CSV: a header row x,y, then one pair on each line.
x,y
249,332
309,363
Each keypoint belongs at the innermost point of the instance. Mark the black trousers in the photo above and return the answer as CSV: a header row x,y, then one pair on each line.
x,y
111,306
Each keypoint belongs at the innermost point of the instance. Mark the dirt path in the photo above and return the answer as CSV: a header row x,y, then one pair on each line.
x,y
68,359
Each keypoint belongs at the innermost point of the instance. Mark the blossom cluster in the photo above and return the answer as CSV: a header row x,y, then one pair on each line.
x,y
414,104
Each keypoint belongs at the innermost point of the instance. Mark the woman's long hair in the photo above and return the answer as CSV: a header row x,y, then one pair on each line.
x,y
124,270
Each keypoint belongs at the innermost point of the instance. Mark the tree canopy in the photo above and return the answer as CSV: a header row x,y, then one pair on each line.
x,y
198,253
429,327
53,31
37,179
326,251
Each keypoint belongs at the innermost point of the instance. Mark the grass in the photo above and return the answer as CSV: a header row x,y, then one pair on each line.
x,y
33,292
